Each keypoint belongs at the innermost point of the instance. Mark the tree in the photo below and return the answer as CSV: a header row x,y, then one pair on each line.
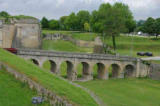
x,y
116,17
4,14
140,26
53,24
62,22
71,22
149,26
45,22
86,27
157,27
83,17
94,20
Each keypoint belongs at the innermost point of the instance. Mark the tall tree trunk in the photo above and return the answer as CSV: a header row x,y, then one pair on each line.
x,y
114,42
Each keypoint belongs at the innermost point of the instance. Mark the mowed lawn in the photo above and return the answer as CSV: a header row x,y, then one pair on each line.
x,y
15,93
126,92
60,45
88,36
128,45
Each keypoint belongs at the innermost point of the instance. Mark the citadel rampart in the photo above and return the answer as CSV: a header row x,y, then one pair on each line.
x,y
20,33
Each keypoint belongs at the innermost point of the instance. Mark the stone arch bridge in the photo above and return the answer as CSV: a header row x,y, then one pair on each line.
x,y
121,66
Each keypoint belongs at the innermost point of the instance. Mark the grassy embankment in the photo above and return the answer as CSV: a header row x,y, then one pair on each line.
x,y
126,45
61,45
48,80
15,93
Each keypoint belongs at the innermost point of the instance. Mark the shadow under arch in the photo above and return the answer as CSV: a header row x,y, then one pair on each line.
x,y
99,71
114,71
53,66
66,69
35,61
83,71
129,71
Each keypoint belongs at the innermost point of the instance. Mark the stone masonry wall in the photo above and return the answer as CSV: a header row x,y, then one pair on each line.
x,y
47,94
155,71
20,33
6,34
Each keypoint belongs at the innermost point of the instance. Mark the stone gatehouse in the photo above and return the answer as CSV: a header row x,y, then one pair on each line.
x,y
20,33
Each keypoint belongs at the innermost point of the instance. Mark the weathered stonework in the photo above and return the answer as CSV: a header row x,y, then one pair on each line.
x,y
155,71
121,66
20,33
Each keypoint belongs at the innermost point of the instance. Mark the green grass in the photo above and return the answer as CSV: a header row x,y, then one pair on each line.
x,y
61,45
15,93
87,36
126,92
154,61
84,36
60,87
127,45
57,31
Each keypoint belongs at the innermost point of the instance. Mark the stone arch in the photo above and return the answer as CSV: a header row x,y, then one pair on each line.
x,y
101,72
115,71
53,66
69,69
35,61
85,70
129,70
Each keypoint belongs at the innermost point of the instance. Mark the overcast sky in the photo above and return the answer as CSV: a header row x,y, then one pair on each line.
x,y
141,9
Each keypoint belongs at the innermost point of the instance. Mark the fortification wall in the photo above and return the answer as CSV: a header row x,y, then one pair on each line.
x,y
28,36
22,33
7,33
155,71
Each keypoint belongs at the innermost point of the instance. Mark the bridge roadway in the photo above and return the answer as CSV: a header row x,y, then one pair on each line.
x,y
122,66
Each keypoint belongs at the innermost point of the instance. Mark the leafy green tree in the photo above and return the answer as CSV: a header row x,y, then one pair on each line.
x,y
86,27
149,26
116,17
45,22
157,27
62,22
4,14
71,22
53,24
82,17
140,26
94,21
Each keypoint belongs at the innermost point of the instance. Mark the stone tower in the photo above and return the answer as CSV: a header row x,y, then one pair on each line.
x,y
20,33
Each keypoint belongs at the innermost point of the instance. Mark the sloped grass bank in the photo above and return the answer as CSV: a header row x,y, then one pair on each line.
x,y
59,86
126,92
60,45
15,93
87,36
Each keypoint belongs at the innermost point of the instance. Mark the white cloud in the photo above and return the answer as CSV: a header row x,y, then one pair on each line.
x,y
55,8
